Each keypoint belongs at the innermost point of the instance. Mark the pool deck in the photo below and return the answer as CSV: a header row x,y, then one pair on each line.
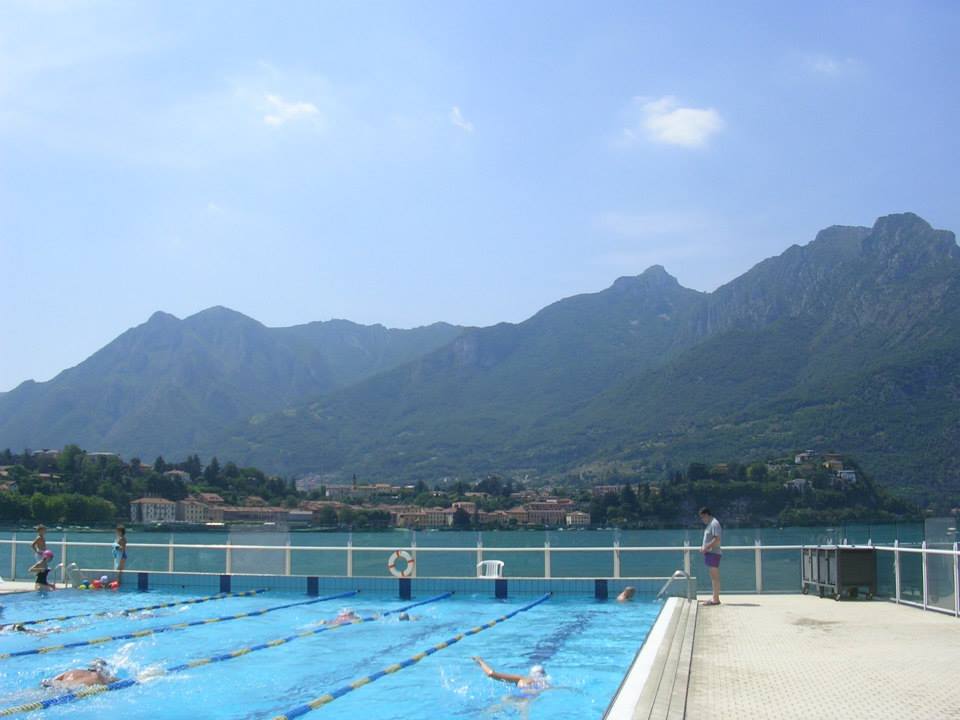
x,y
15,586
796,656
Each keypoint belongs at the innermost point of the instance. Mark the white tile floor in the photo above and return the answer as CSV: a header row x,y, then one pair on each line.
x,y
795,656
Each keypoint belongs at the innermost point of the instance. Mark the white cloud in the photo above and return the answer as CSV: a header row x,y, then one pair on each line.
x,y
664,121
283,112
831,66
457,118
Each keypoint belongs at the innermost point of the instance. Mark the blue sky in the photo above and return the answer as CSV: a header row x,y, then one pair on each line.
x,y
408,162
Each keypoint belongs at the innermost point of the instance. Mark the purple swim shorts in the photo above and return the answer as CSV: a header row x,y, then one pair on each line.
x,y
712,559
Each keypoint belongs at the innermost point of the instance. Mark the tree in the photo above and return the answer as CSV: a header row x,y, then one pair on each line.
x,y
193,466
70,459
461,519
211,473
160,465
629,505
327,517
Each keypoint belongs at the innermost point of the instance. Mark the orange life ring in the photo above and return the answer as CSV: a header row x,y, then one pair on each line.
x,y
392,564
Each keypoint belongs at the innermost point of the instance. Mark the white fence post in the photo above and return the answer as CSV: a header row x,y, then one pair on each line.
x,y
686,557
13,557
479,549
546,560
758,565
923,571
63,559
350,555
229,559
287,560
616,559
170,553
956,581
896,570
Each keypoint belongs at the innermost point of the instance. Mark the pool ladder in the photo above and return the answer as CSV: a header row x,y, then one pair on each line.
x,y
678,575
70,574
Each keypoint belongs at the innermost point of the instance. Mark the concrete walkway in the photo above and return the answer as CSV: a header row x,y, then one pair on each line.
x,y
15,586
795,656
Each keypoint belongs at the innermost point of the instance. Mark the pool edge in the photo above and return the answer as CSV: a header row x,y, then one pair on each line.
x,y
659,674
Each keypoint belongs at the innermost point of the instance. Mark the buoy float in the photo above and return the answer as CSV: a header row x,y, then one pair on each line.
x,y
392,563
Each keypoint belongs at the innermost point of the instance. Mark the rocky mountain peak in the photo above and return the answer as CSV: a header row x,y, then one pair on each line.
x,y
906,242
654,276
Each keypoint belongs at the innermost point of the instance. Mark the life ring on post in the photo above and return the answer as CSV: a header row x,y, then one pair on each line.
x,y
401,555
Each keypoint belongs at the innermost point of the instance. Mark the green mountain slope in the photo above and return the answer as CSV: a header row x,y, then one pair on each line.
x,y
848,343
167,386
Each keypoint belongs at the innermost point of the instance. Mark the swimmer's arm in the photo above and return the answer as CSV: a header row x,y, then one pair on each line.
x,y
491,673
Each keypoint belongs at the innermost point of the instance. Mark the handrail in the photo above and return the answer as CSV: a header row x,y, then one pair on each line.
x,y
421,548
546,551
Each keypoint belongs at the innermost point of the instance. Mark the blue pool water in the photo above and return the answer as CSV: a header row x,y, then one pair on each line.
x,y
585,646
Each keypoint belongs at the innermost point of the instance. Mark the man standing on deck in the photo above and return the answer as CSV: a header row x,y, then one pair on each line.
x,y
712,552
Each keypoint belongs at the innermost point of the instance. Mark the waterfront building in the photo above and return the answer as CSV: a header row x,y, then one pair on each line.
x,y
191,511
153,510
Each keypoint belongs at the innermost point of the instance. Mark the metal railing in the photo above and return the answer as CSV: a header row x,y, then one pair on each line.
x,y
925,577
935,589
608,561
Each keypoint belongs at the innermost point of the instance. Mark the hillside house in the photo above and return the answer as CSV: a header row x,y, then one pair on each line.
x,y
180,475
847,477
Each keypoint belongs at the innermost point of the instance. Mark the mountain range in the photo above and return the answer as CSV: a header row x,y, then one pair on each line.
x,y
850,343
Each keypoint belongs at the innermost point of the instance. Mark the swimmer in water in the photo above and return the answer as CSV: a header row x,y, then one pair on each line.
x,y
96,673
627,594
346,616
22,628
528,685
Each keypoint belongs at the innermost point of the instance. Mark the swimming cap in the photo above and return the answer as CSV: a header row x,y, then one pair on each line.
x,y
47,554
537,671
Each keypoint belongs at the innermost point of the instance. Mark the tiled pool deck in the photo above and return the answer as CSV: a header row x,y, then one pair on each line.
x,y
795,656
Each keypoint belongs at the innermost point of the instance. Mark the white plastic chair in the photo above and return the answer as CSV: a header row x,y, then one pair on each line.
x,y
490,569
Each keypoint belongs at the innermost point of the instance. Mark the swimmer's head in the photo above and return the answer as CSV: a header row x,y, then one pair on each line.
x,y
538,672
403,616
48,554
19,627
99,666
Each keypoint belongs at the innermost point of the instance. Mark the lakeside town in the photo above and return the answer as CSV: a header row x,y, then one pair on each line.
x,y
75,486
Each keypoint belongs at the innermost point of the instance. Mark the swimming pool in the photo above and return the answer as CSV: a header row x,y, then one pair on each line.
x,y
585,645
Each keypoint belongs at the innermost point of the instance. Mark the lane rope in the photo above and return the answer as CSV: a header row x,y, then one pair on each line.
x,y
82,693
46,649
329,697
130,611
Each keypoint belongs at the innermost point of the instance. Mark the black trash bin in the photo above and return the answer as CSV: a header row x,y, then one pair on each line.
x,y
839,570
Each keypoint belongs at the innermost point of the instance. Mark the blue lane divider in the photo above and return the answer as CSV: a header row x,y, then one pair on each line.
x,y
75,695
130,611
329,697
168,628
